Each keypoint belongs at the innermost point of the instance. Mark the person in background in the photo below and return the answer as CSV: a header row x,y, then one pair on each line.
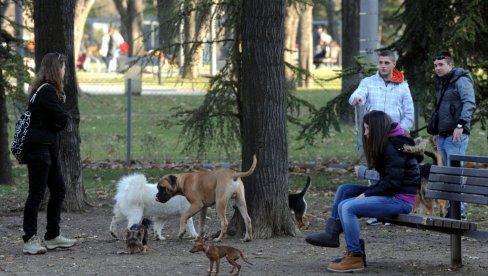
x,y
396,158
454,88
41,148
107,48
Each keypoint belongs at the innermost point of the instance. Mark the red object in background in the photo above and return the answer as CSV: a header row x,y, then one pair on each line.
x,y
124,48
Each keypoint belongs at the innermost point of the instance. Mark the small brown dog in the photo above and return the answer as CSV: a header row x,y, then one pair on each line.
x,y
421,200
204,189
137,237
215,253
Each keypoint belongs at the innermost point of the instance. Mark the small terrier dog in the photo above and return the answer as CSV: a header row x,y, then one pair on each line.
x,y
137,237
298,205
214,253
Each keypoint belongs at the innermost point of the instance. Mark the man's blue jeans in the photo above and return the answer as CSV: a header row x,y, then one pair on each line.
x,y
348,209
446,147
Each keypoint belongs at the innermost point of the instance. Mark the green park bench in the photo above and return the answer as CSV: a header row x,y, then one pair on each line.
x,y
456,184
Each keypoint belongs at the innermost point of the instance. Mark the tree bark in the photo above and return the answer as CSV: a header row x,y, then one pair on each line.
x,y
196,28
331,27
305,54
6,168
291,28
56,34
83,7
264,118
131,14
350,49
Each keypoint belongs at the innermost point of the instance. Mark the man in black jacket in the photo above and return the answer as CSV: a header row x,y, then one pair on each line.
x,y
455,98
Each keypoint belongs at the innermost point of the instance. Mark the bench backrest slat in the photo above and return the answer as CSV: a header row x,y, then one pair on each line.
x,y
468,158
470,198
458,171
456,179
465,189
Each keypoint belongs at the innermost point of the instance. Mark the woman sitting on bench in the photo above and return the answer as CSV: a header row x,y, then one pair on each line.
x,y
395,157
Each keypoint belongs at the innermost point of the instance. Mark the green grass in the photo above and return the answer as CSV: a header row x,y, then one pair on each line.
x,y
103,131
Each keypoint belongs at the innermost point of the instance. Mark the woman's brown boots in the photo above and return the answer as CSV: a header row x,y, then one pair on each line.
x,y
351,262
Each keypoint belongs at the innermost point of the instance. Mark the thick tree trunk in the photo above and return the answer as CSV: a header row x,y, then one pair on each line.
x,y
131,14
264,118
350,49
56,34
83,7
6,167
305,56
291,28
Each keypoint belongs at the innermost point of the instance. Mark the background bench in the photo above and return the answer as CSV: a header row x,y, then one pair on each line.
x,y
456,184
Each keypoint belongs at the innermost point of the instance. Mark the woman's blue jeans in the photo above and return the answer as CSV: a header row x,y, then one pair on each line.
x,y
347,208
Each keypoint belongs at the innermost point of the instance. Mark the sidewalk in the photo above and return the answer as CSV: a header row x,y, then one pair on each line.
x,y
147,90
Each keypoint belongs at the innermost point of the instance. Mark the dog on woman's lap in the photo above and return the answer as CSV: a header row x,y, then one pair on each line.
x,y
135,199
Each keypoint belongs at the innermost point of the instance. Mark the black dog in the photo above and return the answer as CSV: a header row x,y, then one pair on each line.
x,y
297,203
137,237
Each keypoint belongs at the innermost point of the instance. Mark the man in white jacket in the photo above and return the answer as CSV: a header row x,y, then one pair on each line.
x,y
386,91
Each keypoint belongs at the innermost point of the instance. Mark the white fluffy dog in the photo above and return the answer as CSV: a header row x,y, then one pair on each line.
x,y
136,199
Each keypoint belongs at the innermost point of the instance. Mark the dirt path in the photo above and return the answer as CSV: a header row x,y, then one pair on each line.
x,y
391,250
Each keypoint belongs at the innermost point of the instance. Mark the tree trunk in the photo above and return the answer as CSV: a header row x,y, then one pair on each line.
x,y
305,54
131,14
6,168
350,49
291,28
83,7
264,118
195,35
166,9
56,34
331,27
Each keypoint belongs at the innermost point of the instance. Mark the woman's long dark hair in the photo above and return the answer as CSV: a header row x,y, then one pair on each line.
x,y
50,72
379,124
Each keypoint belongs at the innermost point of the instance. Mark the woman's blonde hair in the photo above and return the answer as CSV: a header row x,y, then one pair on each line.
x,y
50,72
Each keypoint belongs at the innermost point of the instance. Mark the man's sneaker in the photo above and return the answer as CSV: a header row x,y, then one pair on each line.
x,y
373,221
33,246
59,241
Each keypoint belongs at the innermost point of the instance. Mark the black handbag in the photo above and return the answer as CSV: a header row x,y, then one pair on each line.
x,y
433,124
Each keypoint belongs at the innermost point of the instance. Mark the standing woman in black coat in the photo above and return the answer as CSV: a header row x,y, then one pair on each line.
x,y
48,118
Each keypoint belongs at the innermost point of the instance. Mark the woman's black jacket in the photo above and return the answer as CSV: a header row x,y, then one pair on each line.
x,y
399,168
48,117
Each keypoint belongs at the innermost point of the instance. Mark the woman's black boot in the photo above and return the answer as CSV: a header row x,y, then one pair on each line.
x,y
329,238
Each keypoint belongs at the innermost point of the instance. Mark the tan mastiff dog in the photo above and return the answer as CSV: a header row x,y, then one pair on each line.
x,y
204,189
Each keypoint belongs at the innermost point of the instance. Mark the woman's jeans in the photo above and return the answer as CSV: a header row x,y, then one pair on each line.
x,y
44,169
347,208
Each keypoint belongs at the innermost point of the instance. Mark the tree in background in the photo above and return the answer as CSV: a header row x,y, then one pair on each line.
x,y
197,16
460,26
13,74
131,16
56,34
83,8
